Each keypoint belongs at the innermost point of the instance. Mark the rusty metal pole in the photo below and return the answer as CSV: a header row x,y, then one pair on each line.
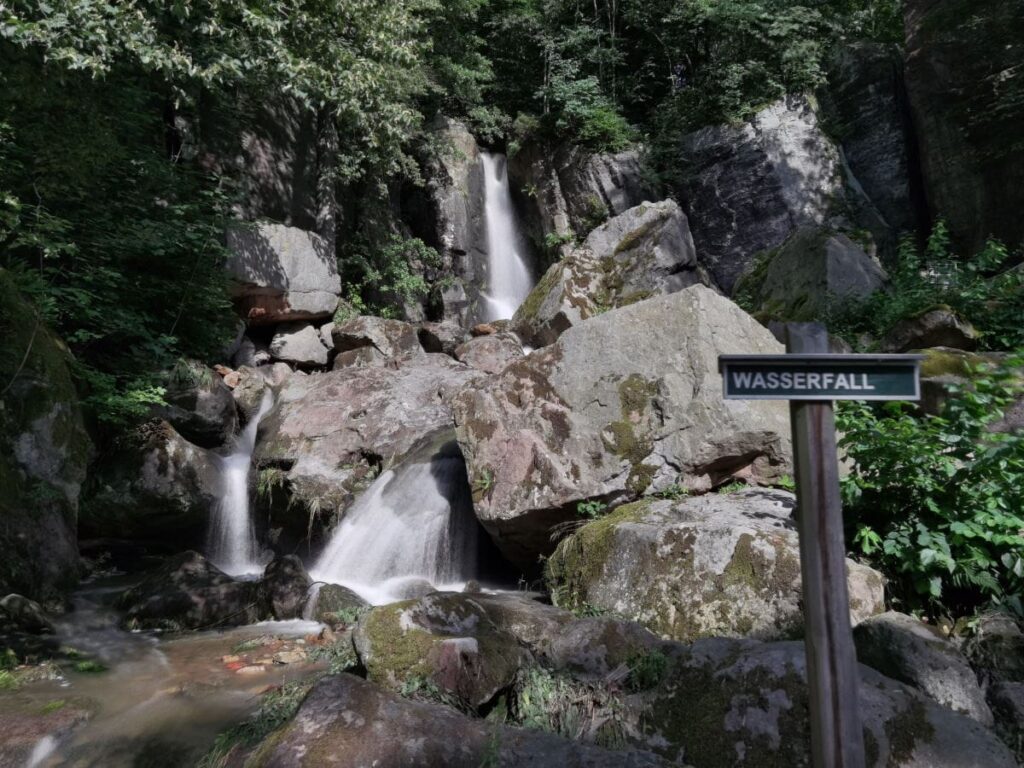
x,y
837,739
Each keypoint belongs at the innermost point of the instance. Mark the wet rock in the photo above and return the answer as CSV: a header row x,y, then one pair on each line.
x,y
281,273
26,732
713,565
645,251
254,382
357,724
939,327
199,406
996,648
441,337
1007,702
445,638
189,592
44,452
329,434
815,270
747,187
905,649
299,344
863,105
490,354
157,487
741,703
286,587
962,76
334,601
26,615
613,410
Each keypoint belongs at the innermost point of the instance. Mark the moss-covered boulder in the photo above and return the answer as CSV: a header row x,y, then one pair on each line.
x,y
445,640
714,565
642,252
155,487
814,270
44,452
200,406
625,404
744,704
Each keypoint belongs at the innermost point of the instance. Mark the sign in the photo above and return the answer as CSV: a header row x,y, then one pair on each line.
x,y
821,377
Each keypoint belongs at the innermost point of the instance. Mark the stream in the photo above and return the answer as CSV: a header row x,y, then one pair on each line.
x,y
160,701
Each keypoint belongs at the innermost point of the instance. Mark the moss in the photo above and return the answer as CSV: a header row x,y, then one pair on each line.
x,y
634,237
530,308
396,653
905,730
948,362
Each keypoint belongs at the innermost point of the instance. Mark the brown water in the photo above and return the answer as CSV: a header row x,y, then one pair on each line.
x,y
162,700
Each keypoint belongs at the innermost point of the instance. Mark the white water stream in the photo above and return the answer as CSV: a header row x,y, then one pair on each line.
x,y
509,280
414,524
232,538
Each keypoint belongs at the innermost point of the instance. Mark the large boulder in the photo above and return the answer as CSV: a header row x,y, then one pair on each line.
x,y
299,344
286,587
905,649
281,273
644,251
156,486
199,405
445,639
746,187
627,403
352,723
863,106
1007,702
189,592
814,271
713,565
491,353
996,648
967,100
44,452
938,327
386,338
740,703
329,434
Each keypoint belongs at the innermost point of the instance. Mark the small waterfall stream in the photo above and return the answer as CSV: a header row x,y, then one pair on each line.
x,y
231,542
509,278
414,523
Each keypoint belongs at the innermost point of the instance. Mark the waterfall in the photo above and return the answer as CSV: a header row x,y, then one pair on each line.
x,y
232,537
413,524
509,280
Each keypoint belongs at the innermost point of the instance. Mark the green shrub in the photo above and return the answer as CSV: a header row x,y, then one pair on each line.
x,y
938,502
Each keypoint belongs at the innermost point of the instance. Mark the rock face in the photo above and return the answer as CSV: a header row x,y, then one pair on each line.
x,y
158,487
566,192
615,409
962,71
281,273
814,270
642,252
714,565
996,649
299,344
1007,702
353,723
44,451
903,648
490,354
746,188
864,107
26,615
387,338
940,327
200,406
189,592
329,433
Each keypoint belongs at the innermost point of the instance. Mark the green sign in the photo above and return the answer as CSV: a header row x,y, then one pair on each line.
x,y
821,377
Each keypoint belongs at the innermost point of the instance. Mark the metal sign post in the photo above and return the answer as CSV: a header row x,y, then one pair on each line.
x,y
811,379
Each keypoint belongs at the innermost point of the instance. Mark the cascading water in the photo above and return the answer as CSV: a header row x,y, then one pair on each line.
x,y
509,278
232,537
414,523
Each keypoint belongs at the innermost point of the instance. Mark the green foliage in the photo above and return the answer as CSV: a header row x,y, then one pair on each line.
x,y
936,502
8,682
89,667
734,487
423,689
339,655
646,670
387,274
984,289
591,509
673,492
786,483
559,704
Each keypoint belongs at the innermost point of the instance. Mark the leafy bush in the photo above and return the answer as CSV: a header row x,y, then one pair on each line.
x,y
937,502
983,289
388,274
